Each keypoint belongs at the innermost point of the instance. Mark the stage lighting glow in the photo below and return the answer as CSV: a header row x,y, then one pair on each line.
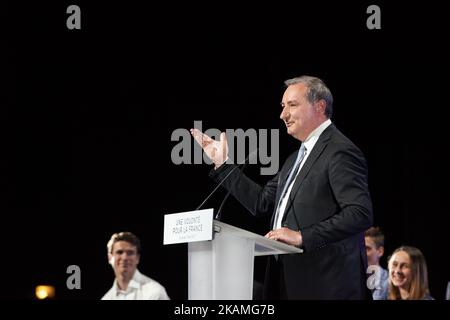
x,y
45,292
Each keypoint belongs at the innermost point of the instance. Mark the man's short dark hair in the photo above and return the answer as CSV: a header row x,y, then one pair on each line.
x,y
124,236
377,235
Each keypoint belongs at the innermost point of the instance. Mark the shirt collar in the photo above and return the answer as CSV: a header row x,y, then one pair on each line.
x,y
133,284
315,134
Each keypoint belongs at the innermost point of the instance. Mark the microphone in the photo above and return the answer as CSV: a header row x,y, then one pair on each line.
x,y
223,180
219,212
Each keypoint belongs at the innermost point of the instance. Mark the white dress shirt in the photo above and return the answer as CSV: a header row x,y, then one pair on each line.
x,y
309,143
140,288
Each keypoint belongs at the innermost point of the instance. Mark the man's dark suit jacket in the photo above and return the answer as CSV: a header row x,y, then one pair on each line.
x,y
330,204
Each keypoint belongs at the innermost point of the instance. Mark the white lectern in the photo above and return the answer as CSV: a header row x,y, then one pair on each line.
x,y
222,268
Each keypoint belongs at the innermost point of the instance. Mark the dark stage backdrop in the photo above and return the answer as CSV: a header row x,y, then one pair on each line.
x,y
87,117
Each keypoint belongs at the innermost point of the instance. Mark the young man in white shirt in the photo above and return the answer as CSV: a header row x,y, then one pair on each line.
x,y
124,250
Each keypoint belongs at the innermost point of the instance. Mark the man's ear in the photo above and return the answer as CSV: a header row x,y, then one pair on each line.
x,y
380,251
138,258
110,259
320,106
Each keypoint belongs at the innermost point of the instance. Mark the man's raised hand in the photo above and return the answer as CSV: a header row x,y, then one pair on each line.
x,y
217,151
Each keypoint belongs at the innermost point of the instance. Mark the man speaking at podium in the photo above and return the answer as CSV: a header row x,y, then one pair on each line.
x,y
319,201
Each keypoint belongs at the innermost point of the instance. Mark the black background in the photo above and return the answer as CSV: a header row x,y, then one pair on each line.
x,y
87,117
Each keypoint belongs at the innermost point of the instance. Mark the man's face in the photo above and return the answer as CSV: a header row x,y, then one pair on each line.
x,y
125,258
400,270
299,115
373,253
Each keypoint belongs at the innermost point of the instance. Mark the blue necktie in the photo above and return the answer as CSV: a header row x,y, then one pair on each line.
x,y
301,154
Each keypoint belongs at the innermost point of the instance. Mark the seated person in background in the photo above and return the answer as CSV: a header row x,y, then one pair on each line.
x,y
378,277
408,276
124,251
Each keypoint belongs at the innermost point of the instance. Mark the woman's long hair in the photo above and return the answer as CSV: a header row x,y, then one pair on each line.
x,y
419,281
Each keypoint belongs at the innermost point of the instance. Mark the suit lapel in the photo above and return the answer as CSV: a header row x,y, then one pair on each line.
x,y
315,153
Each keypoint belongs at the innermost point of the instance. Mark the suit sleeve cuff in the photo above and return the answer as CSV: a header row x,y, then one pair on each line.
x,y
219,173
310,240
